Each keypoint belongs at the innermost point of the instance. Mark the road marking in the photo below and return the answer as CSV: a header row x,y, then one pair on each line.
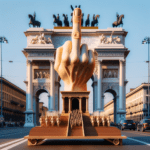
x,y
11,134
14,145
146,134
145,143
8,143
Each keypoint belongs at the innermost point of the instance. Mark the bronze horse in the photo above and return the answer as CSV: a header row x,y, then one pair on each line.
x,y
119,22
33,21
87,22
57,21
95,20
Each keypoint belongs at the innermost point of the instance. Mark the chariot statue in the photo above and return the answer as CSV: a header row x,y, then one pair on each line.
x,y
33,21
57,20
119,20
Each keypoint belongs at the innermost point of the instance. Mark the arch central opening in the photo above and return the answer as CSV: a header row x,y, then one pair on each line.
x,y
111,105
41,104
75,104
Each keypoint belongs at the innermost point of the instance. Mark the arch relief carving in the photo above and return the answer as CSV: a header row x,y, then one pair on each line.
x,y
113,86
110,73
41,39
41,74
39,86
110,39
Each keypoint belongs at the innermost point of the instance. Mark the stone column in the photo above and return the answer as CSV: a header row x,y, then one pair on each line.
x,y
30,99
34,108
100,106
69,104
80,104
63,106
49,107
29,113
94,85
121,85
52,80
87,105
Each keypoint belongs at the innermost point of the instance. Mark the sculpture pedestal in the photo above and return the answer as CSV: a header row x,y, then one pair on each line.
x,y
75,100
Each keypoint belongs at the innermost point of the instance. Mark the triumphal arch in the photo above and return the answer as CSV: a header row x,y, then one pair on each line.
x,y
109,75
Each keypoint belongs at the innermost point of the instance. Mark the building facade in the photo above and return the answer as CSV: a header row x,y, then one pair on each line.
x,y
137,103
13,102
109,110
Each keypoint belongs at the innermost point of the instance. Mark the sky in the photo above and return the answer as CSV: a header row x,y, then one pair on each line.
x,y
14,22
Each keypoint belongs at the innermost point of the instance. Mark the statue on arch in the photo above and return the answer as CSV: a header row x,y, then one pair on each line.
x,y
95,20
57,20
66,22
119,20
33,22
87,22
74,62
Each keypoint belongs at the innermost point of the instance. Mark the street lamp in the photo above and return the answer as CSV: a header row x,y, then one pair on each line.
x,y
147,41
2,40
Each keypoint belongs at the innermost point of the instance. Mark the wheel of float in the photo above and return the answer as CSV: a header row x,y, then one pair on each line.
x,y
40,140
34,142
116,142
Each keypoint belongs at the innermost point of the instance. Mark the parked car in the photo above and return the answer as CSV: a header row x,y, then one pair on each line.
x,y
127,124
143,125
113,124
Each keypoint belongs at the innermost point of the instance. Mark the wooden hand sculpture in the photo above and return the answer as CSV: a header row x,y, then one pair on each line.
x,y
74,63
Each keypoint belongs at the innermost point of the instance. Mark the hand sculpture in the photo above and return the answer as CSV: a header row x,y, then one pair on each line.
x,y
74,63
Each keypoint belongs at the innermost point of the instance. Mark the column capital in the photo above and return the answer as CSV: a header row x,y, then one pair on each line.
x,y
121,60
99,61
51,61
29,61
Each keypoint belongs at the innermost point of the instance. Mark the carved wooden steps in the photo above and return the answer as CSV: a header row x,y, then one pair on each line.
x,y
88,128
99,131
76,131
51,131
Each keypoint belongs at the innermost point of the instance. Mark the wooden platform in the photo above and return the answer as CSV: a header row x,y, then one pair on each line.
x,y
85,131
74,137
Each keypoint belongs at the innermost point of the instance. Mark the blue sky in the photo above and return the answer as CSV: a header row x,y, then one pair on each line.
x,y
14,21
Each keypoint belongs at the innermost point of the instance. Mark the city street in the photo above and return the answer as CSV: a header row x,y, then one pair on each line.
x,y
12,138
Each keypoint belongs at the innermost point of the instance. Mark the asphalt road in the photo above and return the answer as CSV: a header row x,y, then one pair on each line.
x,y
13,139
